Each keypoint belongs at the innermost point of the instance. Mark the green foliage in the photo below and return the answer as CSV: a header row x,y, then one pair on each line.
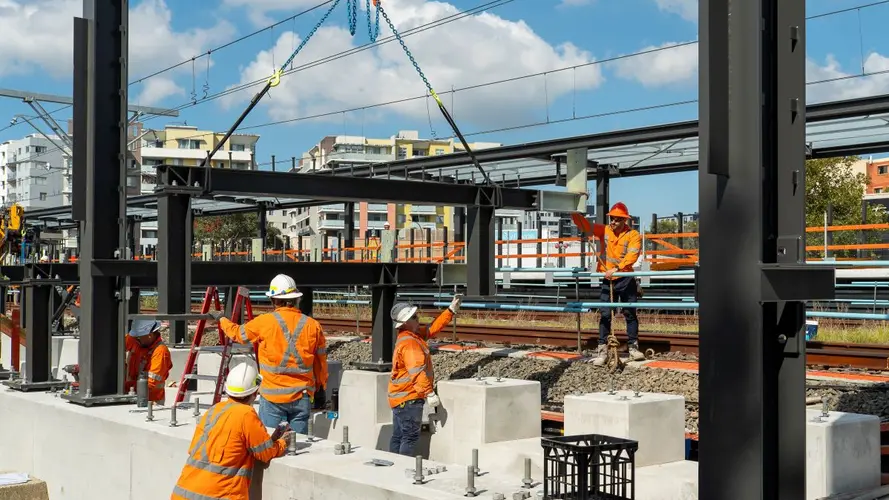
x,y
233,227
832,182
667,226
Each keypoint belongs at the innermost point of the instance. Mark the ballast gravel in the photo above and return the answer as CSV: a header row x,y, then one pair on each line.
x,y
560,378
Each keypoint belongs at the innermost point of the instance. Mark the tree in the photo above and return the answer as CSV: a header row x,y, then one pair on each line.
x,y
668,226
228,229
832,182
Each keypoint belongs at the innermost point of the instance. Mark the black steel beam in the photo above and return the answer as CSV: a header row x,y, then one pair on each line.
x,y
264,183
752,282
603,193
383,333
82,29
480,252
174,256
100,353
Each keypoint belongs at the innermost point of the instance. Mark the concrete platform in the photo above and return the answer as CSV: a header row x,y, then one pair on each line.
x,y
143,460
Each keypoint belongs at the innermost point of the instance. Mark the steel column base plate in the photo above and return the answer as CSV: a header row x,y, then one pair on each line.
x,y
374,366
24,386
111,399
7,374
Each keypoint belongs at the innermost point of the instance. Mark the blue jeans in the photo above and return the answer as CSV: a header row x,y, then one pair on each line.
x,y
296,412
624,291
406,422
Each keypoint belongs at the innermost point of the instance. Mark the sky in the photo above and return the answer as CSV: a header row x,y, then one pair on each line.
x,y
541,69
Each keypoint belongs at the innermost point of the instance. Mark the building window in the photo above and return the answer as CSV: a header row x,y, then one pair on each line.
x,y
39,149
238,147
189,144
42,196
883,169
878,190
439,152
149,233
421,152
402,153
283,225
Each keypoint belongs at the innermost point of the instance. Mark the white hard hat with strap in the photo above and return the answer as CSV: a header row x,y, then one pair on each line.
x,y
242,381
402,312
283,287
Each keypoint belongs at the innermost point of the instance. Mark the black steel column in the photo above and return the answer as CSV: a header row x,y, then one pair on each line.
x,y
349,233
100,118
459,224
603,185
263,230
480,252
307,301
174,225
38,353
752,282
383,333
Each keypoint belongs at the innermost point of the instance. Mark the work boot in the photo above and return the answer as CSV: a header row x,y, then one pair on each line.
x,y
635,353
601,355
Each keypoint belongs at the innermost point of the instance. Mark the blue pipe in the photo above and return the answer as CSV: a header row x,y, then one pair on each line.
x,y
846,315
513,307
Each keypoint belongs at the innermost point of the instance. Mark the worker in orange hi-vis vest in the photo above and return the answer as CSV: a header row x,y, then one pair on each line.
x,y
620,246
411,383
292,356
148,354
228,441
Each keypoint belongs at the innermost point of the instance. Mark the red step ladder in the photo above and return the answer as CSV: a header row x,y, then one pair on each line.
x,y
226,348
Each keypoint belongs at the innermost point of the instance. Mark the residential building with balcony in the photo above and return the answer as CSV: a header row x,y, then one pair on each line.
x,y
342,151
32,172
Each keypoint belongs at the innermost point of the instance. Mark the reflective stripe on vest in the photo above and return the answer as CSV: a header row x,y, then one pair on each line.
x,y
243,332
291,338
411,371
199,458
190,495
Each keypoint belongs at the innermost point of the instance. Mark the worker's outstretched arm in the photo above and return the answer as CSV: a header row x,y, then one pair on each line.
x,y
440,322
319,366
634,247
259,443
245,334
415,363
159,368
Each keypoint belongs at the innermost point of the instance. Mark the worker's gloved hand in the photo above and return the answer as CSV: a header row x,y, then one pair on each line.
x,y
216,314
456,302
320,399
432,400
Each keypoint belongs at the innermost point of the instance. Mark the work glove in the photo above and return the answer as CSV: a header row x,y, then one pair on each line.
x,y
320,399
216,314
432,400
456,302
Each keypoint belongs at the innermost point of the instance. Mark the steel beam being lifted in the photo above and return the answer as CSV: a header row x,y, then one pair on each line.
x,y
58,99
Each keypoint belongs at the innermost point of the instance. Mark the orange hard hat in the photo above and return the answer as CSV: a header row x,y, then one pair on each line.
x,y
619,210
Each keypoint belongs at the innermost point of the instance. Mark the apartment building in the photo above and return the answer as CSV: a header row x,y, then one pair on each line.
x,y
31,172
187,146
339,151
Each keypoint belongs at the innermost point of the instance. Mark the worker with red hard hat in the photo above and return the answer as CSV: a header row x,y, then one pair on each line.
x,y
619,248
228,441
411,382
148,354
292,356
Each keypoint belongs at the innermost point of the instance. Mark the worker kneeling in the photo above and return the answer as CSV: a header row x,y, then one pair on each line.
x,y
228,441
292,356
411,383
149,355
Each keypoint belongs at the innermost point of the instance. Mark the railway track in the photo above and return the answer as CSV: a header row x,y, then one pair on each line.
x,y
859,356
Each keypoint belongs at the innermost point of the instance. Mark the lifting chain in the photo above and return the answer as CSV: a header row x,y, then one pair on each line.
x,y
613,361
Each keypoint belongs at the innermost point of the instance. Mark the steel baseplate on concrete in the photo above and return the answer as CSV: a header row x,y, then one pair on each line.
x,y
374,366
25,386
561,201
107,400
452,274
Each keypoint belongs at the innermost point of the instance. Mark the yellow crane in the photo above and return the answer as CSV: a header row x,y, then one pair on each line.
x,y
10,229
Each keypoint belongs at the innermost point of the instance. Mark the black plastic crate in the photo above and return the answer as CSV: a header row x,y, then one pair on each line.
x,y
589,467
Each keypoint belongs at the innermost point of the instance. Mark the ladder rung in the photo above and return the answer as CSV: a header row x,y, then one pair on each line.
x,y
171,316
194,376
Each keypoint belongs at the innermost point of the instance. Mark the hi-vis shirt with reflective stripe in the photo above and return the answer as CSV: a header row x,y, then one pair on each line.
x,y
412,374
154,360
292,352
619,251
227,441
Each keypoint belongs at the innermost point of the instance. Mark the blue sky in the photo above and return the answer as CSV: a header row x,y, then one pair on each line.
x,y
515,39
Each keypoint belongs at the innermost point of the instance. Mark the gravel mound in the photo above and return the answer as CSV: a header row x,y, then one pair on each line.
x,y
560,378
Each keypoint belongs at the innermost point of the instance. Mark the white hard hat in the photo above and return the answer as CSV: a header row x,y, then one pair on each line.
x,y
242,380
402,312
283,287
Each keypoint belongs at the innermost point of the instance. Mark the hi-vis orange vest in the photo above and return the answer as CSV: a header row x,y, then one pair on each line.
x,y
226,443
412,374
155,361
292,352
617,251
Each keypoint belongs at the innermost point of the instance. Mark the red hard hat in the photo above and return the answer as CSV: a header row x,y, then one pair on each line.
x,y
619,210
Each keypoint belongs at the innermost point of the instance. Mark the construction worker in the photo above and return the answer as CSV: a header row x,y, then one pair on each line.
x,y
227,442
411,382
148,354
620,247
292,356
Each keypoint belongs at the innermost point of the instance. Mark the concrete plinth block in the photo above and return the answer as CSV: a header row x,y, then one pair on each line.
x,y
34,489
363,407
656,421
672,481
508,457
65,354
842,453
474,413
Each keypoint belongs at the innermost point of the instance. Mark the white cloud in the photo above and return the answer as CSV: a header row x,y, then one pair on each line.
x,y
686,9
38,34
671,66
476,49
844,85
257,10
